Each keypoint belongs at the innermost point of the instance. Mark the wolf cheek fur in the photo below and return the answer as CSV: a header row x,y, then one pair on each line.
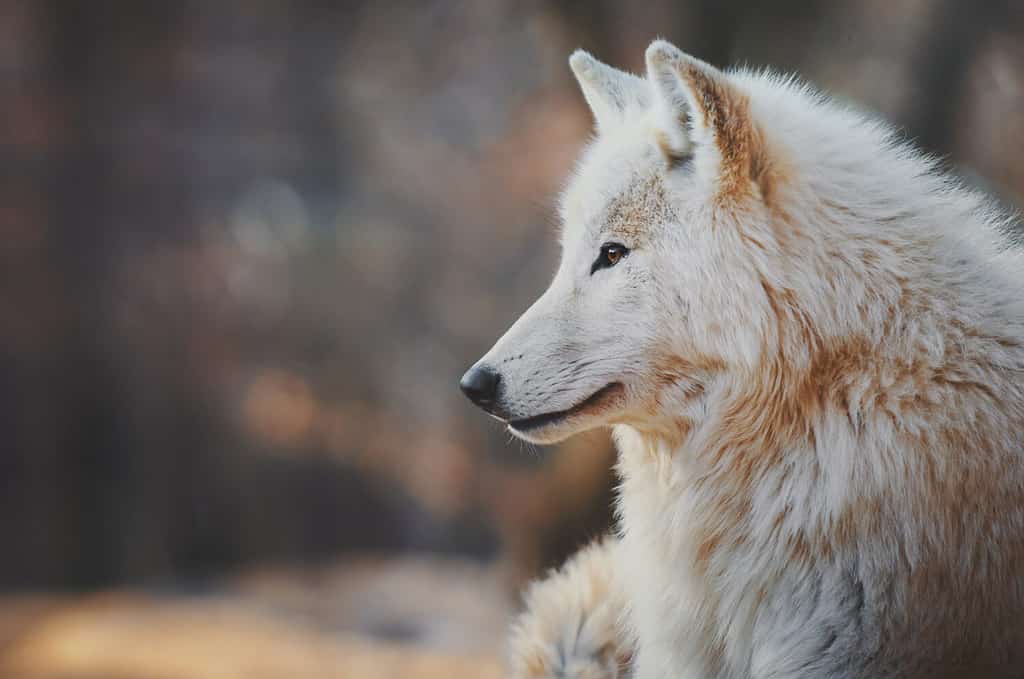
x,y
814,361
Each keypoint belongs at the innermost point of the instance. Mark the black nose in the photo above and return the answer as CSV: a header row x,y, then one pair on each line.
x,y
480,384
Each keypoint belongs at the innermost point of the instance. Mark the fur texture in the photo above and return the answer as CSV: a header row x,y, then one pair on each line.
x,y
812,354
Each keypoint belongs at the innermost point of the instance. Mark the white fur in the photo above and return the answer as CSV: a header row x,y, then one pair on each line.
x,y
882,534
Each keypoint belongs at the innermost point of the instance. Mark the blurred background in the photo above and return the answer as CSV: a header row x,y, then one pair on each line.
x,y
246,251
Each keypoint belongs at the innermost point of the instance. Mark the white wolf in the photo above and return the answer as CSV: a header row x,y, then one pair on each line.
x,y
811,346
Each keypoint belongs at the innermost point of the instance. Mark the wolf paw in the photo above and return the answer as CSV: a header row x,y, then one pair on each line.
x,y
571,626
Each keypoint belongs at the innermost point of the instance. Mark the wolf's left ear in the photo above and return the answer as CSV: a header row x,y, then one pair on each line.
x,y
701,113
609,91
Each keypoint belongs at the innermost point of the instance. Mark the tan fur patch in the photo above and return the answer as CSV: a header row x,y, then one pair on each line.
x,y
745,161
610,399
684,377
776,413
671,368
644,203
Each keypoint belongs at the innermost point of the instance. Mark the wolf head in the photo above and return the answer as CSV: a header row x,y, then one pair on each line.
x,y
732,244
643,310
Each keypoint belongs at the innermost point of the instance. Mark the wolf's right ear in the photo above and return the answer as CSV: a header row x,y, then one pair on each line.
x,y
702,114
608,91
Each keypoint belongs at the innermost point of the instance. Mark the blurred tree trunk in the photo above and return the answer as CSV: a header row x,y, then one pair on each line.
x,y
89,77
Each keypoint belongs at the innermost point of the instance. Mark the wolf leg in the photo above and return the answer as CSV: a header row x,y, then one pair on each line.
x,y
571,628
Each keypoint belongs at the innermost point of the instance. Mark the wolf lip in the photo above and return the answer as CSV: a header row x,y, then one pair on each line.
x,y
595,399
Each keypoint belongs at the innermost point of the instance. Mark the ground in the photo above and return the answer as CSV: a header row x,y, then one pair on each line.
x,y
266,626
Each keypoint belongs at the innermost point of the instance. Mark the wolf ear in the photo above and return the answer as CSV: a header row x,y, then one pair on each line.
x,y
608,91
701,113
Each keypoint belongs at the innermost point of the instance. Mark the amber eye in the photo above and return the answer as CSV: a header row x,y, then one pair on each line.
x,y
610,255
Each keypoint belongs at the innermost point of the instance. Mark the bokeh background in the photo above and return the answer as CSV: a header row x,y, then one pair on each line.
x,y
248,247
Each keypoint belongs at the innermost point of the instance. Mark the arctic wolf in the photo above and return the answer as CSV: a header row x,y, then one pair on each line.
x,y
810,344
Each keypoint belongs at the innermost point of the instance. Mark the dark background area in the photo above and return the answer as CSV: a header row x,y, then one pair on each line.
x,y
249,247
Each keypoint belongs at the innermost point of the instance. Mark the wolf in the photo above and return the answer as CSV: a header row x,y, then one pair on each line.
x,y
809,342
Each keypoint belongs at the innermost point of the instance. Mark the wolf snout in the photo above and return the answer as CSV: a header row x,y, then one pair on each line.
x,y
480,385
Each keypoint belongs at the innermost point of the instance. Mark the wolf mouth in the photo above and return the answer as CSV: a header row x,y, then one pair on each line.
x,y
597,399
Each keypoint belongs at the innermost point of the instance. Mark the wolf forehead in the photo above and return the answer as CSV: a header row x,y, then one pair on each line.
x,y
628,208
